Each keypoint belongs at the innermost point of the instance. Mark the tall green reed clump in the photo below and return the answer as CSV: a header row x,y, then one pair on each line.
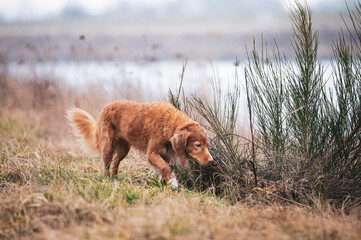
x,y
265,73
307,138
310,133
343,162
287,98
233,171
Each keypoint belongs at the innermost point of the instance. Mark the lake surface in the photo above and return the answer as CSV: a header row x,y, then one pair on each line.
x,y
154,79
151,80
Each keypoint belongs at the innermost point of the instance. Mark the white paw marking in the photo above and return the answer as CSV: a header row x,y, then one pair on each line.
x,y
173,182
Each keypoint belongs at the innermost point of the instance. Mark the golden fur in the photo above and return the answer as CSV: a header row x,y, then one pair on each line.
x,y
156,128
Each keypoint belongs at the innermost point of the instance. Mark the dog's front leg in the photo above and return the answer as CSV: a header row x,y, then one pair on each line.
x,y
162,168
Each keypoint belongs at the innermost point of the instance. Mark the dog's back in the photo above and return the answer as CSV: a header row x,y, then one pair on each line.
x,y
138,123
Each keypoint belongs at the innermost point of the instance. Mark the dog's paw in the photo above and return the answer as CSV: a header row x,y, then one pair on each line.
x,y
173,183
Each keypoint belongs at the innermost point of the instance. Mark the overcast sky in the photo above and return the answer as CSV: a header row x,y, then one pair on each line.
x,y
13,10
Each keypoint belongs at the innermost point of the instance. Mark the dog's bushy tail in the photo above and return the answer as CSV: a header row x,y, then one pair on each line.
x,y
84,128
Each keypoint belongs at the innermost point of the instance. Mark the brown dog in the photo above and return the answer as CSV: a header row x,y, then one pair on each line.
x,y
158,129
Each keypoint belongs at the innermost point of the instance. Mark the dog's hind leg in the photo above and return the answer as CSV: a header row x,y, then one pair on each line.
x,y
107,152
122,148
107,145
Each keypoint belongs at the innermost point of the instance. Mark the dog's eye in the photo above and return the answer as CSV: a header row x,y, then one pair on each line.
x,y
198,145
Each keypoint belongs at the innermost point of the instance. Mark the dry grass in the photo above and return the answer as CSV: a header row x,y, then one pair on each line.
x,y
50,190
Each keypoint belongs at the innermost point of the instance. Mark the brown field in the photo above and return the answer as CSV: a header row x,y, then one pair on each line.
x,y
50,190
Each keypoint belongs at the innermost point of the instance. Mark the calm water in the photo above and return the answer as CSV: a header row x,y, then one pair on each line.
x,y
151,80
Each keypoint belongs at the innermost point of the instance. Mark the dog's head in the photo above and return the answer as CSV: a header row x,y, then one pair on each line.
x,y
192,143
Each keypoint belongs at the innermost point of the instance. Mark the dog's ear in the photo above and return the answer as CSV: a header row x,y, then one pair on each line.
x,y
179,143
